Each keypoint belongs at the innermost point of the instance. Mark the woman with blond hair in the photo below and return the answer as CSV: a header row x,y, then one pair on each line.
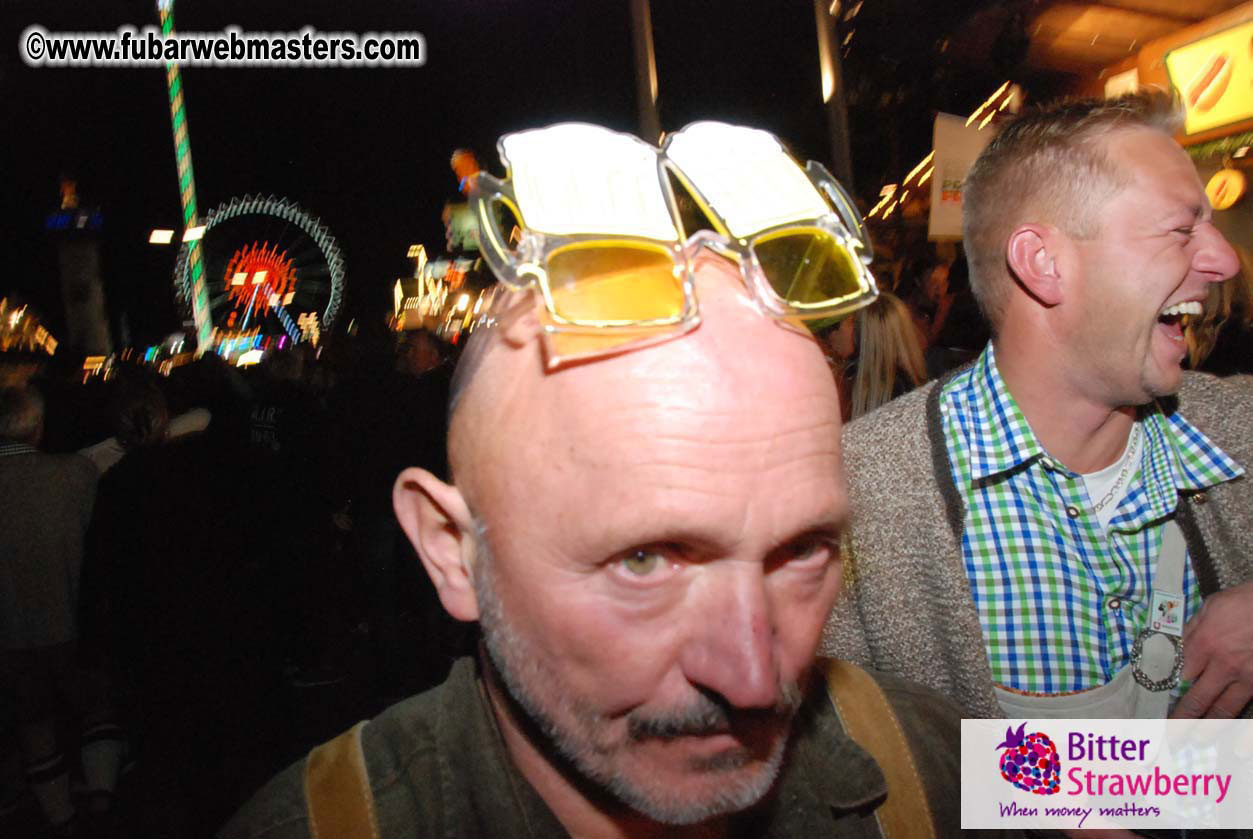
x,y
1220,340
879,354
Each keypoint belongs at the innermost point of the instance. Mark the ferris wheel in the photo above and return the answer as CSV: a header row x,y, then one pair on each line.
x,y
256,267
269,269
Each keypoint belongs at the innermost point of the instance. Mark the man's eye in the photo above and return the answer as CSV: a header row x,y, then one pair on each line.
x,y
811,551
643,563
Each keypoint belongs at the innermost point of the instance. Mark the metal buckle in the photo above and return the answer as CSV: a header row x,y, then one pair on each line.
x,y
1137,651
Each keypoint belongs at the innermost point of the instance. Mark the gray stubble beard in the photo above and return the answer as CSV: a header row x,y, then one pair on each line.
x,y
514,661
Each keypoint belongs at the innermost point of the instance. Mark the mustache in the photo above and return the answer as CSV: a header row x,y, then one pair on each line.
x,y
710,713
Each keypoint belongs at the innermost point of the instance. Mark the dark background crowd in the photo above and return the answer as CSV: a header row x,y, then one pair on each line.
x,y
244,587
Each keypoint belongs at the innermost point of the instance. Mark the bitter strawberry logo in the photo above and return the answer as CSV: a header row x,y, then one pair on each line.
x,y
1030,761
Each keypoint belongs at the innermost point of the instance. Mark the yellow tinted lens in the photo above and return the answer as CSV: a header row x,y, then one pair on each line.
x,y
608,283
563,346
808,267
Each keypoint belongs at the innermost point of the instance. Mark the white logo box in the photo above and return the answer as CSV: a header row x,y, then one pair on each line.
x,y
1112,774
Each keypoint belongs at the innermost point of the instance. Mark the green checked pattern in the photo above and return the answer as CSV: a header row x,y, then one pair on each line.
x,y
1042,570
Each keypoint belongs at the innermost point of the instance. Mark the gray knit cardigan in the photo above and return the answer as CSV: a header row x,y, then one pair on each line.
x,y
907,607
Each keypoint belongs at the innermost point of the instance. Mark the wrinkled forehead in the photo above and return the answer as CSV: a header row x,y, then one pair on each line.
x,y
738,374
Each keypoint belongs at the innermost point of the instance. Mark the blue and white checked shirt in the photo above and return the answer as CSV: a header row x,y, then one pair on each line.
x,y
1061,599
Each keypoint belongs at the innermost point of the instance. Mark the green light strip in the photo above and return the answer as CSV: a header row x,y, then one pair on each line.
x,y
1226,145
187,185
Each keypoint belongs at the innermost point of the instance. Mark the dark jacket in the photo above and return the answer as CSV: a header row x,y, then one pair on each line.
x,y
438,767
45,507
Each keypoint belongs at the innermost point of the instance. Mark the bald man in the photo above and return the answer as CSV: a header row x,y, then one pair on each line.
x,y
648,542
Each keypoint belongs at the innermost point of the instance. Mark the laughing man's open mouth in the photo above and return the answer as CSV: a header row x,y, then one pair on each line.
x,y
1180,313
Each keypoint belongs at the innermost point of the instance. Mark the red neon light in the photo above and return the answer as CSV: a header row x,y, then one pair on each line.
x,y
251,261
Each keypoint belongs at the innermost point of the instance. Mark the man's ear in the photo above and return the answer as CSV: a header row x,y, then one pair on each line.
x,y
1033,259
519,316
437,521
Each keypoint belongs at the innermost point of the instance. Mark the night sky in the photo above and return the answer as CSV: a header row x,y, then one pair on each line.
x,y
367,149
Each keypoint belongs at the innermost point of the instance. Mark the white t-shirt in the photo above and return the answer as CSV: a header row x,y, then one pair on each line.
x,y
1122,470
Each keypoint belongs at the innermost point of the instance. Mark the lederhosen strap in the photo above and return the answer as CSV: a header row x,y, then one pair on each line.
x,y
868,718
337,790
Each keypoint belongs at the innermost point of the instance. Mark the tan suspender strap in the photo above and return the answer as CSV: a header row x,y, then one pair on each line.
x,y
337,790
870,721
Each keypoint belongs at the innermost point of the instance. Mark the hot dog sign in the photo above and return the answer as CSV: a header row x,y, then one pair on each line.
x,y
1214,77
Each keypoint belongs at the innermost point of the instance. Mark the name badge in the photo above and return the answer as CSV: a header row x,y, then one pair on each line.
x,y
1166,613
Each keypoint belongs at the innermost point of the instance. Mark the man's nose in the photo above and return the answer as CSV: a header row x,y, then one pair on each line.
x,y
732,648
1215,257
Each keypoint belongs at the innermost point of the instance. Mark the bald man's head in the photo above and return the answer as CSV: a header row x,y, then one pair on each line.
x,y
662,526
502,383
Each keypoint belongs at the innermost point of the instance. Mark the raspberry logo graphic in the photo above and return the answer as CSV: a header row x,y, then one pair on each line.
x,y
1030,761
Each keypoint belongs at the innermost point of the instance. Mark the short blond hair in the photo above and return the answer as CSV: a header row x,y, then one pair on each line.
x,y
1049,166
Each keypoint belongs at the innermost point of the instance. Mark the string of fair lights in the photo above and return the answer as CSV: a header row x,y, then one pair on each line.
x,y
893,196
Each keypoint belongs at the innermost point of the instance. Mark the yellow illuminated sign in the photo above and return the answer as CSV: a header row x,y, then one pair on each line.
x,y
1225,188
1214,77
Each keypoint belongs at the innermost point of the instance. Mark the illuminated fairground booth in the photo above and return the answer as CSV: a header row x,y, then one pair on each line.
x,y
445,293
1210,64
1201,48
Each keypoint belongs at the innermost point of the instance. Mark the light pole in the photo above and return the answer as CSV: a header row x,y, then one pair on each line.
x,y
645,71
825,13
